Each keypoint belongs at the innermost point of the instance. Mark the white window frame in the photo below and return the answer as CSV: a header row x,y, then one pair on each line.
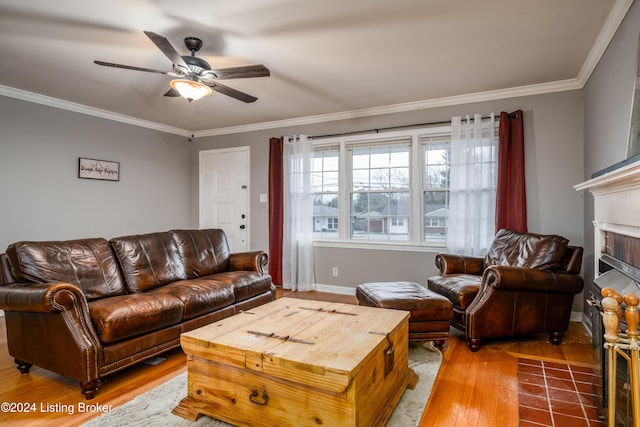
x,y
415,242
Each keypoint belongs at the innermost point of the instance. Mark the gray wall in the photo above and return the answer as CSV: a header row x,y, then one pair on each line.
x,y
553,138
607,114
42,198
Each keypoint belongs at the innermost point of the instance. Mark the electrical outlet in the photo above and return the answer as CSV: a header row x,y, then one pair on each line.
x,y
334,271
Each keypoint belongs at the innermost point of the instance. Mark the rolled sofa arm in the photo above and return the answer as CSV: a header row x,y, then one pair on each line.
x,y
459,264
532,280
41,297
248,261
61,339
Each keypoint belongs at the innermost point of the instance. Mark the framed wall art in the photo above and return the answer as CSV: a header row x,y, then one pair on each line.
x,y
98,169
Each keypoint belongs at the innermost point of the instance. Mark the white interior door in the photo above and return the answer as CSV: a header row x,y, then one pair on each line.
x,y
224,194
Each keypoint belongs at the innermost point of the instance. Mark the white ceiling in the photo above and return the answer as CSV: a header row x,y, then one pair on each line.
x,y
328,58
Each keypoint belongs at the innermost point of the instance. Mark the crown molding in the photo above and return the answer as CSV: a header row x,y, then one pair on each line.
x,y
84,109
536,89
611,25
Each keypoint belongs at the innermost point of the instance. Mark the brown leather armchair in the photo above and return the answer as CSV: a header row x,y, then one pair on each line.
x,y
524,285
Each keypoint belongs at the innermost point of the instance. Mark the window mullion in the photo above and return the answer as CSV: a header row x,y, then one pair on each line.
x,y
344,185
416,216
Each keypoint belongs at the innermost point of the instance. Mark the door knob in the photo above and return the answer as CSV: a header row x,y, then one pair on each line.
x,y
242,227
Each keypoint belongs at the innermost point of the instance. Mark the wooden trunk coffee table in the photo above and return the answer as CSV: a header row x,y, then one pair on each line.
x,y
296,362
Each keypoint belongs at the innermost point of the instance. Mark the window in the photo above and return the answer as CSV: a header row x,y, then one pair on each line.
x,y
387,188
435,187
380,192
325,193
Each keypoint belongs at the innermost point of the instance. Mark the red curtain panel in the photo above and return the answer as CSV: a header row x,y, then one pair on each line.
x,y
276,208
511,200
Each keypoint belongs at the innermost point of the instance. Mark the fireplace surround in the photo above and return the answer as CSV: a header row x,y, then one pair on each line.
x,y
616,258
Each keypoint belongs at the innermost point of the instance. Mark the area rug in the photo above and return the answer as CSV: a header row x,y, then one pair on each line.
x,y
153,408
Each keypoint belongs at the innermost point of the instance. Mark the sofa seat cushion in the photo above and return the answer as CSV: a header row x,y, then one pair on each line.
x,y
460,289
125,316
199,296
246,284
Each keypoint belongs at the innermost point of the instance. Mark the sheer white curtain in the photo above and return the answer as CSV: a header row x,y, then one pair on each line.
x,y
472,186
297,244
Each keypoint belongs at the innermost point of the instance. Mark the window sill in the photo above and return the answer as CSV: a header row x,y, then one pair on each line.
x,y
380,246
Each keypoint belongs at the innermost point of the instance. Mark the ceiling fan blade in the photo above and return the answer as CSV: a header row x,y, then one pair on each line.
x,y
172,92
242,72
244,97
163,44
130,67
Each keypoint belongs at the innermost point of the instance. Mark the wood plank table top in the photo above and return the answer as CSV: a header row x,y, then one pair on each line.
x,y
335,339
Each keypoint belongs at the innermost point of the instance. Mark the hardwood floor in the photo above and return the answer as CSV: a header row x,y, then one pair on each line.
x,y
471,389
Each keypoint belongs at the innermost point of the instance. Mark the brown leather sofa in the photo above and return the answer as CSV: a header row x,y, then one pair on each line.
x,y
524,285
88,308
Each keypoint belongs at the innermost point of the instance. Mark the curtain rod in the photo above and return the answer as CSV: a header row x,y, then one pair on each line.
x,y
378,130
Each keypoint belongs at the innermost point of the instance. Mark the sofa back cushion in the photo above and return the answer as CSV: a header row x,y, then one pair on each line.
x,y
203,252
529,250
148,261
87,263
5,271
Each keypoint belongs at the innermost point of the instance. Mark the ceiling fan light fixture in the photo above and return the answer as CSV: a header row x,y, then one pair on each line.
x,y
191,90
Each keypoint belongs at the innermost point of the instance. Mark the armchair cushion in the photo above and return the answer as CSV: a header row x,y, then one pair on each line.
x,y
460,289
530,250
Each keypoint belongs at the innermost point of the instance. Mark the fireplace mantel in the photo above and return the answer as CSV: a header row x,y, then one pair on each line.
x,y
616,201
621,179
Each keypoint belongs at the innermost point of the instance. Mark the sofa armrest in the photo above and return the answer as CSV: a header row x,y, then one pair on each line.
x,y
248,261
61,335
459,264
532,280
41,297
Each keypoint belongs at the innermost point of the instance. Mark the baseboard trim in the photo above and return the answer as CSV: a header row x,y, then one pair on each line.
x,y
334,289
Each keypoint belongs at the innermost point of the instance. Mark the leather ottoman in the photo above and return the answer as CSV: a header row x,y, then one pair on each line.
x,y
430,313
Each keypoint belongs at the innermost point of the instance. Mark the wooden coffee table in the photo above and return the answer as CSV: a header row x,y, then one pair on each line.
x,y
296,362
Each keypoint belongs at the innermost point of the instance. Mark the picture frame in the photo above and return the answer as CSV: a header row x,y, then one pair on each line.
x,y
104,170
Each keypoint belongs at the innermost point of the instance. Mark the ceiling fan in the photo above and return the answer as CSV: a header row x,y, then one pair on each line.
x,y
194,76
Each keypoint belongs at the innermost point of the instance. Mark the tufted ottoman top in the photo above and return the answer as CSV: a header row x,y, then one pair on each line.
x,y
423,304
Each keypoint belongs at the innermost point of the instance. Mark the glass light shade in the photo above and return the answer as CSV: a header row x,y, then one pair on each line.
x,y
190,90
